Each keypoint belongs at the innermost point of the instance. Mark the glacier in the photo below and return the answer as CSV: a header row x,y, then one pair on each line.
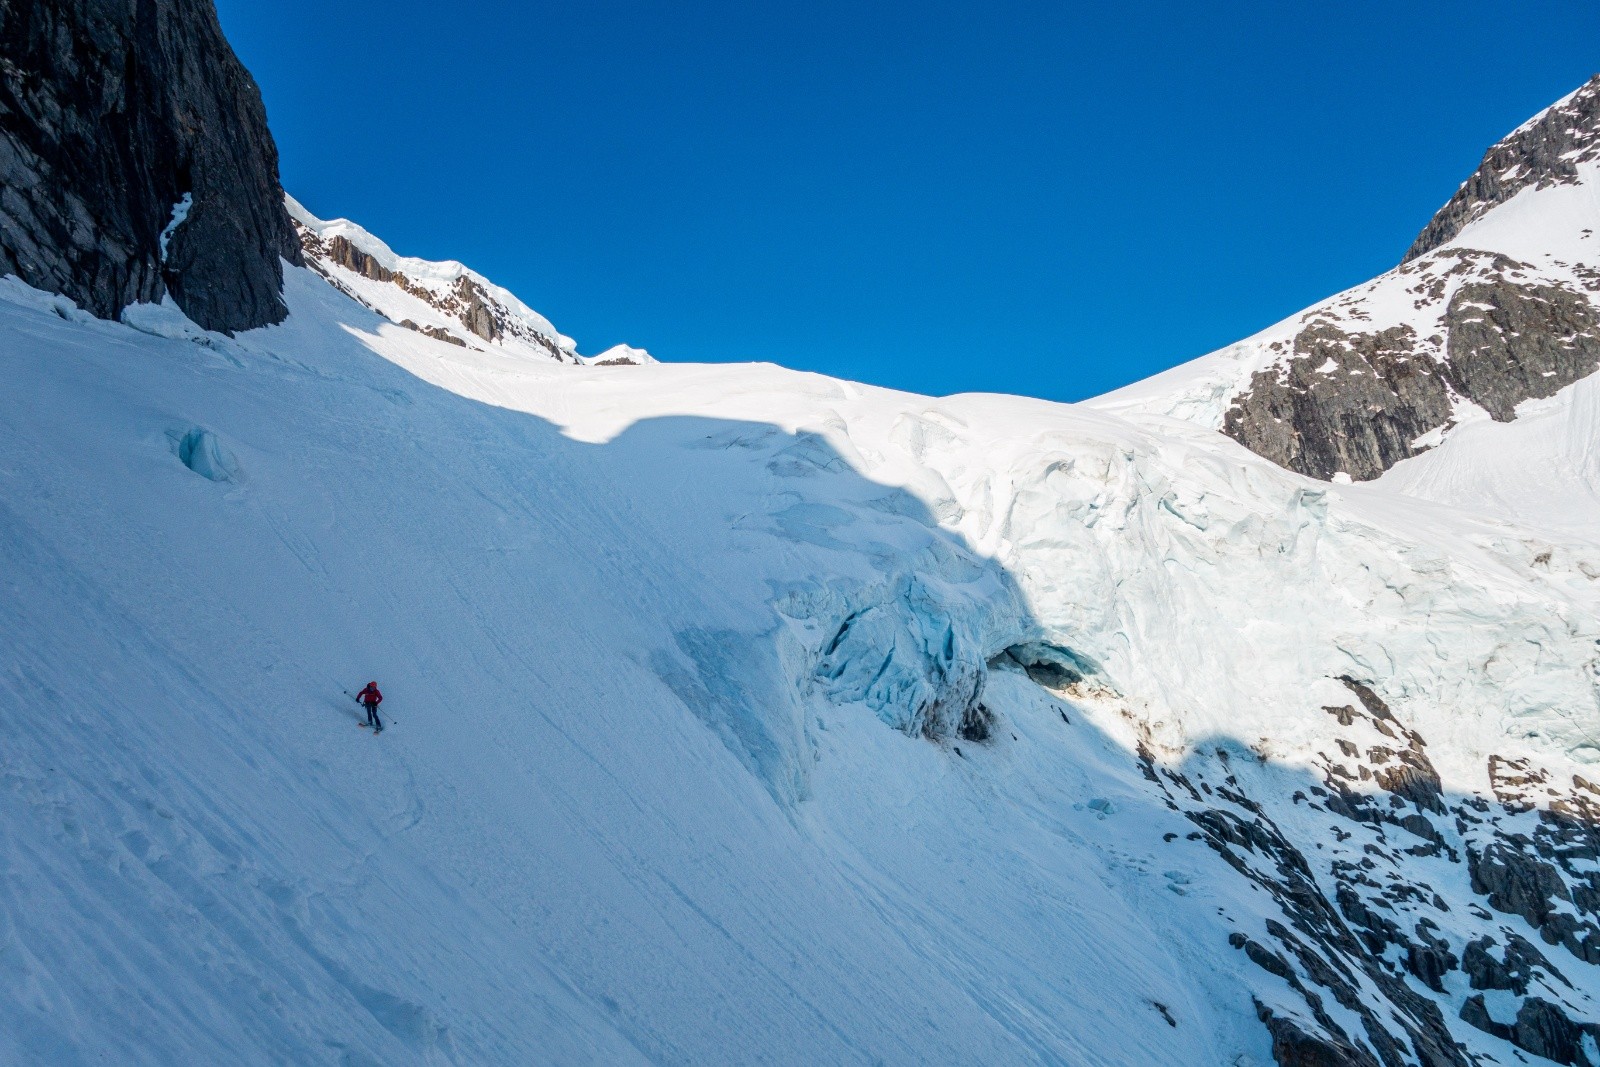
x,y
740,714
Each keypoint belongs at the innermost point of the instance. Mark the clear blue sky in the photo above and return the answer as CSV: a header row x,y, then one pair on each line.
x,y
1043,198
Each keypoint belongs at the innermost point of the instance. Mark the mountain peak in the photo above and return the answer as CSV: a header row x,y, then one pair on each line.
x,y
1544,151
1495,305
445,299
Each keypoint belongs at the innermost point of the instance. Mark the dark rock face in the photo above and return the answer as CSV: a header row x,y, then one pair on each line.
x,y
1476,1014
1359,958
1545,152
1329,950
1358,401
1544,1030
1516,882
111,111
1293,1047
1540,1027
1510,342
1351,402
1486,972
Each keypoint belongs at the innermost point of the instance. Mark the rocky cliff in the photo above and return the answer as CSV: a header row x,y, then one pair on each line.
x,y
1425,905
1548,150
135,161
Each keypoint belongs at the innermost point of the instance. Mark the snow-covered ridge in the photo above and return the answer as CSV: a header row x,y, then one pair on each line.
x,y
444,299
1495,307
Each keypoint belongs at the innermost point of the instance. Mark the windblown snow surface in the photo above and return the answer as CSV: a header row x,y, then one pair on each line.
x,y
677,659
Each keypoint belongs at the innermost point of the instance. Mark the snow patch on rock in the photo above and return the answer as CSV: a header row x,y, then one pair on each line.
x,y
180,215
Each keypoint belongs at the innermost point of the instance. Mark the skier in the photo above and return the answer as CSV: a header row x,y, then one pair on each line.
x,y
370,698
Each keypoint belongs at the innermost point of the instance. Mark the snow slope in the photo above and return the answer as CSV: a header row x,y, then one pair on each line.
x,y
1543,470
551,856
688,668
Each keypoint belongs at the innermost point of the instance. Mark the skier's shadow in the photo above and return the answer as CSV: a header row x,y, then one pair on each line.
x,y
352,710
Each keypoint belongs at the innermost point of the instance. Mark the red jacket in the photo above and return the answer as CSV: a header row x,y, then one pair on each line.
x,y
370,695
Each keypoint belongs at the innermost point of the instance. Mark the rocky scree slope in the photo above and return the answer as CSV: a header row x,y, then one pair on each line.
x,y
1480,317
135,161
1406,917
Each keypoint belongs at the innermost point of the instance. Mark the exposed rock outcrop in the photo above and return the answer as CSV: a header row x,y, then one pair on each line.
x,y
1516,882
1293,1047
1364,959
1509,342
1357,402
111,112
1511,973
1546,151
474,312
1541,1028
623,356
1329,949
1351,402
470,308
341,251
438,333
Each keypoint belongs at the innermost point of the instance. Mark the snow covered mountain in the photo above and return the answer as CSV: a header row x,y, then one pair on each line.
x,y
445,301
745,715
1492,314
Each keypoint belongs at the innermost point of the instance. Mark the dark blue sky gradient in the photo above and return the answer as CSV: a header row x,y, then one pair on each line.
x,y
1049,199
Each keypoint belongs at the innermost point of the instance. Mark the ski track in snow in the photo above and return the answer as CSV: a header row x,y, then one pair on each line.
x,y
623,814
